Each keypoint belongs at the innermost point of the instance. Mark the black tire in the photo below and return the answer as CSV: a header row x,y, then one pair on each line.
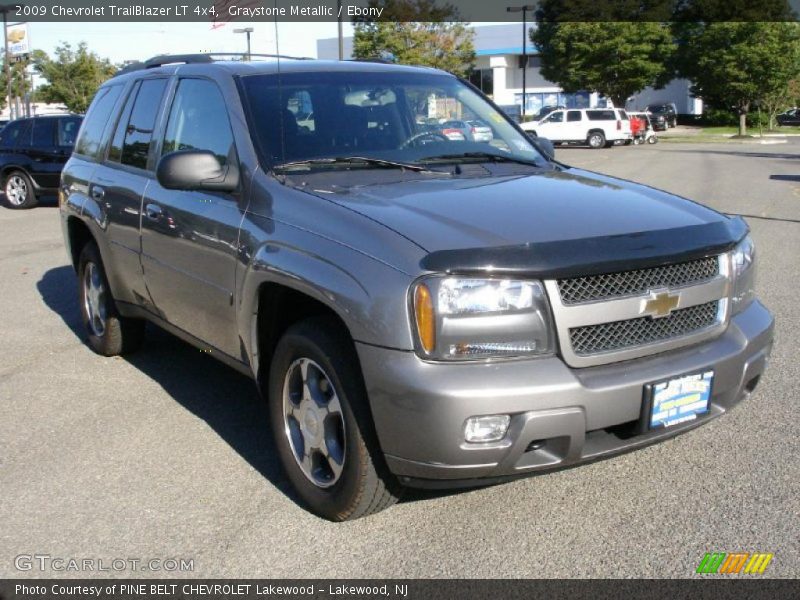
x,y
364,485
18,190
119,335
596,140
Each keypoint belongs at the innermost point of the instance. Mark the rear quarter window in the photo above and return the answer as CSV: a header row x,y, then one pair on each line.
x,y
15,133
97,117
601,115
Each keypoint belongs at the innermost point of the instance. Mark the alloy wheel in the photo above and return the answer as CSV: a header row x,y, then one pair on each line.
x,y
16,190
94,299
313,422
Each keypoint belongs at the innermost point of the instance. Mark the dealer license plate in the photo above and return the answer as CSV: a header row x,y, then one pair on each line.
x,y
680,399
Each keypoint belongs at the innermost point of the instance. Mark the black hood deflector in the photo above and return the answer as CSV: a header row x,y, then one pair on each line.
x,y
594,256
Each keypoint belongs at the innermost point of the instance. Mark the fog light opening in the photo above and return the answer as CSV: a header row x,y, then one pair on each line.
x,y
535,445
490,428
750,386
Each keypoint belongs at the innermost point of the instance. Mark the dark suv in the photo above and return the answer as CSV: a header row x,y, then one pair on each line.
x,y
417,311
32,153
663,116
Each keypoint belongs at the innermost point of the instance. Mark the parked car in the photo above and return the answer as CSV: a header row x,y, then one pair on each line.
x,y
417,311
480,131
456,131
663,116
790,117
595,127
32,153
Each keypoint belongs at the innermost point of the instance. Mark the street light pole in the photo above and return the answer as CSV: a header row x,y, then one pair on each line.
x,y
339,26
248,31
523,9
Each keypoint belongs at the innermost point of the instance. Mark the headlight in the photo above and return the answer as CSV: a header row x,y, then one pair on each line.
x,y
744,274
459,318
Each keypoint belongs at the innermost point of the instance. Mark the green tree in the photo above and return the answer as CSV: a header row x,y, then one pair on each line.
x,y
737,65
616,59
72,76
20,81
417,32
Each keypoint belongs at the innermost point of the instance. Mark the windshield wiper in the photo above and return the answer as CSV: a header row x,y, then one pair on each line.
x,y
349,160
480,157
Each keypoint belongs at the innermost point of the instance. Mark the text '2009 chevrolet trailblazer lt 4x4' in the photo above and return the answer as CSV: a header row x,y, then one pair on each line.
x,y
417,310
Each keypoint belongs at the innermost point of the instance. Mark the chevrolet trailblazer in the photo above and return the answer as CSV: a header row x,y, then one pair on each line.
x,y
416,311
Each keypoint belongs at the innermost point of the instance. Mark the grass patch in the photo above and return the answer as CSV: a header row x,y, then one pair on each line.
x,y
731,130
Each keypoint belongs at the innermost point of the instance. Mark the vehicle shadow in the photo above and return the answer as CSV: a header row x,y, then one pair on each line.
x,y
225,399
785,177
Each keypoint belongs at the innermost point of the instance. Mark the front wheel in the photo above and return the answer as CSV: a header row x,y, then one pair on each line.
x,y
19,190
653,139
109,333
322,424
596,140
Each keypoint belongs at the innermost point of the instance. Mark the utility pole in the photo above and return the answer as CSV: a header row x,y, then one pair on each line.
x,y
523,9
339,25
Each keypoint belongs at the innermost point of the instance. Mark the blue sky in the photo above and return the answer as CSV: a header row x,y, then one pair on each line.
x,y
138,41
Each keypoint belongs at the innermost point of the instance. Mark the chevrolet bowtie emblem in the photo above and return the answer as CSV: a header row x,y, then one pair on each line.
x,y
659,304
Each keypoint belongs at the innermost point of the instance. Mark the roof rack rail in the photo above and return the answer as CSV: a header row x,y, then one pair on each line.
x,y
188,59
376,59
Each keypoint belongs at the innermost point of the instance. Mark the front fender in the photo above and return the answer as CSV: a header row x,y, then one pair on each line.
x,y
368,295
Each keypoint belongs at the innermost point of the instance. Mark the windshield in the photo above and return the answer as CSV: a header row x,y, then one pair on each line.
x,y
400,116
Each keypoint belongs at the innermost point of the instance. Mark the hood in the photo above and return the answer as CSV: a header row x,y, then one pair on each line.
x,y
550,206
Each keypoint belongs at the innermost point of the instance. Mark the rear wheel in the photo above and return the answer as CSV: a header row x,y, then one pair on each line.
x,y
323,426
19,190
596,140
109,333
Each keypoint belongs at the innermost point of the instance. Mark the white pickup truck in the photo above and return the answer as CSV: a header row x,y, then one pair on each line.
x,y
595,127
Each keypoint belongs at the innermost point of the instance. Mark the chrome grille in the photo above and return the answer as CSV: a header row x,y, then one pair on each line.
x,y
631,283
618,335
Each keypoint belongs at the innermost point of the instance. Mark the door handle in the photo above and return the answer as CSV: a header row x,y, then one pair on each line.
x,y
153,212
98,192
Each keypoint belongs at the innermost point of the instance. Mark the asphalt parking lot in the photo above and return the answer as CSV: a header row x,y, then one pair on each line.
x,y
166,454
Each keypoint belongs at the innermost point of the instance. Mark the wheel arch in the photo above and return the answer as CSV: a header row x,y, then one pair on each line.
x,y
279,306
78,235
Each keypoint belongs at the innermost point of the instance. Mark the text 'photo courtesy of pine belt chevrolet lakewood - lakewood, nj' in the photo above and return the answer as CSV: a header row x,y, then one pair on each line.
x,y
419,308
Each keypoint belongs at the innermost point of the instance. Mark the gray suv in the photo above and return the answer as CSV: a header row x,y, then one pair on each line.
x,y
417,312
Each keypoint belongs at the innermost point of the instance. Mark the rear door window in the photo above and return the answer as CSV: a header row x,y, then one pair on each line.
x,y
573,115
139,130
601,115
91,134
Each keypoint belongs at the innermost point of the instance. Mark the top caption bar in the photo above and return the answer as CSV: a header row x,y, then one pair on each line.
x,y
220,11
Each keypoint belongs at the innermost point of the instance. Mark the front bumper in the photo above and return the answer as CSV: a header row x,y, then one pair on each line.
x,y
560,416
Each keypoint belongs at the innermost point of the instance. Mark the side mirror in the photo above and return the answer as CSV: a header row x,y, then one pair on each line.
x,y
196,170
544,146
